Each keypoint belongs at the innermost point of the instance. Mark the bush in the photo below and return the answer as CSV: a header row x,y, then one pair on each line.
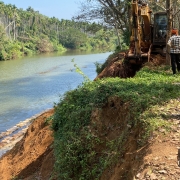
x,y
74,145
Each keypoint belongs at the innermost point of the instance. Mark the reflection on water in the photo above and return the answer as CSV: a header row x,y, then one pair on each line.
x,y
31,85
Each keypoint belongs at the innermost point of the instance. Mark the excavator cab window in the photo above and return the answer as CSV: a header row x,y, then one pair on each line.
x,y
160,28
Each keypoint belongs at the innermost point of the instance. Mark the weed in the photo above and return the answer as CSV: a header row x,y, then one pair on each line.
x,y
78,70
49,120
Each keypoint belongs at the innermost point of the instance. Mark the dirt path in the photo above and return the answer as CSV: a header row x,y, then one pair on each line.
x,y
162,160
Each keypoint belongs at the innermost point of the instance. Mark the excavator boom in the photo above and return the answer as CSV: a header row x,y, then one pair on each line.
x,y
146,37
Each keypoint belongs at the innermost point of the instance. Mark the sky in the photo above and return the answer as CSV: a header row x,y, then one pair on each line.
x,y
61,9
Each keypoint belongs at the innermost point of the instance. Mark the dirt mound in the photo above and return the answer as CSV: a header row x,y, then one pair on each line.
x,y
120,66
32,156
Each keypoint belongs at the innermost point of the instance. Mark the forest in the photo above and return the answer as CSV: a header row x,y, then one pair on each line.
x,y
117,14
100,25
27,32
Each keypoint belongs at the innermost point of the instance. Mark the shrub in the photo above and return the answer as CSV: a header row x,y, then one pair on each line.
x,y
74,145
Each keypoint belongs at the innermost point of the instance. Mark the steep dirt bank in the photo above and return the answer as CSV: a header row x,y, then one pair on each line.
x,y
117,66
157,160
32,157
160,158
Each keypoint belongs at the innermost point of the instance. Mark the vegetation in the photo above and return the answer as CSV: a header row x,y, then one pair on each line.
x,y
24,32
81,153
77,148
117,14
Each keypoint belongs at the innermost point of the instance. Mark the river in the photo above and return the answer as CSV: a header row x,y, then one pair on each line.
x,y
31,85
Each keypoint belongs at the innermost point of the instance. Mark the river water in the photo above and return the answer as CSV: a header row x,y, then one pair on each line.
x,y
31,85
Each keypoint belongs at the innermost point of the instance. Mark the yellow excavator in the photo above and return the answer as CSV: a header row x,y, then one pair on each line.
x,y
148,32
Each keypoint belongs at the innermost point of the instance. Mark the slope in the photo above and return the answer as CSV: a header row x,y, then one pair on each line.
x,y
123,139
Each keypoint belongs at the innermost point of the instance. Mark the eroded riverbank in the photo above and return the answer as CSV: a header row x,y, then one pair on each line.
x,y
13,135
31,155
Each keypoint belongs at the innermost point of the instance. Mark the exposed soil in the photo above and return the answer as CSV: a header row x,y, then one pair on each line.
x,y
117,68
156,160
32,157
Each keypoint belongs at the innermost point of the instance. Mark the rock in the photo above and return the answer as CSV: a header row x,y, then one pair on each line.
x,y
172,172
153,176
138,175
156,158
162,172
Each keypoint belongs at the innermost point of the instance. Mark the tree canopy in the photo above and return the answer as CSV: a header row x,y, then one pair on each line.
x,y
117,13
28,31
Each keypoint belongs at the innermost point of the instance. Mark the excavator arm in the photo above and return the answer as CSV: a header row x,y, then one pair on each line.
x,y
146,38
140,39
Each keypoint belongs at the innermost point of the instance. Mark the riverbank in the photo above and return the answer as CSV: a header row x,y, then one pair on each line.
x,y
11,136
32,157
32,153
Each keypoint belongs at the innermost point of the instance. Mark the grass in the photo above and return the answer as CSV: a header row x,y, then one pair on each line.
x,y
148,91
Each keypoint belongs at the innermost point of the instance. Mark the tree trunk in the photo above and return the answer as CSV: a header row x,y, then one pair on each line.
x,y
119,40
14,29
169,29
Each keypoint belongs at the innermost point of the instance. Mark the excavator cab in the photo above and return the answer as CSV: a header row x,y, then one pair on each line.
x,y
159,33
159,28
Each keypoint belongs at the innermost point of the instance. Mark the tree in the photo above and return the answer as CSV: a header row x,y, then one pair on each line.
x,y
169,17
111,12
30,31
72,38
30,9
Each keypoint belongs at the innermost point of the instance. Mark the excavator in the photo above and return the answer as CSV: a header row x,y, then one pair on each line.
x,y
148,32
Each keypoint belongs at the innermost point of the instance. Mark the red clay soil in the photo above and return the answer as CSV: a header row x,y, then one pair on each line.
x,y
156,160
117,67
32,157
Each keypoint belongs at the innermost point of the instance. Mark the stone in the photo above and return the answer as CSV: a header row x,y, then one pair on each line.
x,y
138,175
162,172
153,177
